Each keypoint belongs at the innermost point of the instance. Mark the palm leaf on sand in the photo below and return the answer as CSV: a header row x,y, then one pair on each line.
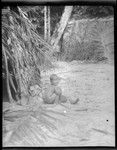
x,y
28,127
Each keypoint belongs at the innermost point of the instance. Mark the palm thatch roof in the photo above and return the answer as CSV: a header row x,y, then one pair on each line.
x,y
27,52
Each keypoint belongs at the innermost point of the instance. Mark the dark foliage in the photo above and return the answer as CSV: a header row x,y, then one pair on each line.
x,y
92,11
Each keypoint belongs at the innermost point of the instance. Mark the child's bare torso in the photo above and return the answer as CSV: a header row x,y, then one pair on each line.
x,y
51,89
52,93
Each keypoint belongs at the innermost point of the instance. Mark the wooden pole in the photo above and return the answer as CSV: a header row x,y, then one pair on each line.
x,y
45,23
48,20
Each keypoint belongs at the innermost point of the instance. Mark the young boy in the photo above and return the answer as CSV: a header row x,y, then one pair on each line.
x,y
53,94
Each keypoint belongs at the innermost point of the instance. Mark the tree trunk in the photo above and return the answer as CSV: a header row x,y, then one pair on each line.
x,y
61,27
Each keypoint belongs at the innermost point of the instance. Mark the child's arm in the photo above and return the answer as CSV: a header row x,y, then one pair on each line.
x,y
49,96
58,90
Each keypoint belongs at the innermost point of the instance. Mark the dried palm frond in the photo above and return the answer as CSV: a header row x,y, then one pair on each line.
x,y
25,49
28,126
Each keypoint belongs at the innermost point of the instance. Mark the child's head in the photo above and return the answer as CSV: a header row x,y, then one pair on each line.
x,y
54,79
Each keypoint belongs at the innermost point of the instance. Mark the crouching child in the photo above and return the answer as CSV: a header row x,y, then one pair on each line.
x,y
53,93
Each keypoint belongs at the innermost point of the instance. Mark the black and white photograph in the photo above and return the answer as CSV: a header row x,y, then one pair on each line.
x,y
58,81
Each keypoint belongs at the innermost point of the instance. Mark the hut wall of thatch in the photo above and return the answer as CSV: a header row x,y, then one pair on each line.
x,y
89,39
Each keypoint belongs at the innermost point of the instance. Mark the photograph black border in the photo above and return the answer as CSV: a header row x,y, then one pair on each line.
x,y
58,3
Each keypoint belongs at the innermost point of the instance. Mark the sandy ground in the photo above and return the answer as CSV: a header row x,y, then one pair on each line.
x,y
93,84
